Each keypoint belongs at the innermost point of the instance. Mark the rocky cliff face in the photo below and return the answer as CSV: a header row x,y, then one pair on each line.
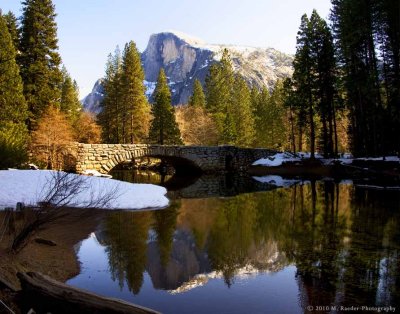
x,y
92,101
185,59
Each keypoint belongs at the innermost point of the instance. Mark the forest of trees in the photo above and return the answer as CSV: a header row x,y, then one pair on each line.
x,y
39,103
344,94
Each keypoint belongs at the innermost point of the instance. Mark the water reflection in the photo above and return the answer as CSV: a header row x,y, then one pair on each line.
x,y
181,186
343,241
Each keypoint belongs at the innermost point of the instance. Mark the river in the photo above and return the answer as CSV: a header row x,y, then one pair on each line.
x,y
235,245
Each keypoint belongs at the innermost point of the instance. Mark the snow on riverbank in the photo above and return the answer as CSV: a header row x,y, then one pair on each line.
x,y
276,160
32,186
279,158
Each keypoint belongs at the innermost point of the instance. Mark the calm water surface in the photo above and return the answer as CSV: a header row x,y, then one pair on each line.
x,y
284,250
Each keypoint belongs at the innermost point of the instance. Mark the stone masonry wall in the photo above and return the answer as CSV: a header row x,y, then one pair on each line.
x,y
104,157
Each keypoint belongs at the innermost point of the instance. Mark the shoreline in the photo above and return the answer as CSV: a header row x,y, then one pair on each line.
x,y
373,170
58,261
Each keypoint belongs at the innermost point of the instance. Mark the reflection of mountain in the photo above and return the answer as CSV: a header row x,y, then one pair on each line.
x,y
184,263
189,267
240,273
345,249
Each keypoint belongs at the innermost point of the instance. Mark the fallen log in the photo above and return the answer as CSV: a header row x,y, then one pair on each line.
x,y
46,294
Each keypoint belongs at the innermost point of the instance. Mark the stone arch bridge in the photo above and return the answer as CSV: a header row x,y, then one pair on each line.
x,y
104,157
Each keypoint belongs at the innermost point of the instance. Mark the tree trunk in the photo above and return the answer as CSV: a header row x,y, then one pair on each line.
x,y
46,294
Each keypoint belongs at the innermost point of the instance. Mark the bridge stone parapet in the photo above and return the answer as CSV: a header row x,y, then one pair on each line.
x,y
104,157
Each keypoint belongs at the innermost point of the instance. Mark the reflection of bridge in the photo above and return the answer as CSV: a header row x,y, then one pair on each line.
x,y
104,157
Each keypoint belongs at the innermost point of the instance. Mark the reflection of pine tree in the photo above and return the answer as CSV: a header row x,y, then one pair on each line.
x,y
369,246
231,236
164,226
316,240
126,241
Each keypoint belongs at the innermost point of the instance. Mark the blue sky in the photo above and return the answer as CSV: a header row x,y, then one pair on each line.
x,y
88,30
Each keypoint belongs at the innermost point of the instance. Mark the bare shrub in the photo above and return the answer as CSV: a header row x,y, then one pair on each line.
x,y
58,196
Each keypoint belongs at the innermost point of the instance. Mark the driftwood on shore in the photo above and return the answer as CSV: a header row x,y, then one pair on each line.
x,y
48,294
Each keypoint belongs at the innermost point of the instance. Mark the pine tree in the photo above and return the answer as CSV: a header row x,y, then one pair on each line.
x,y
69,103
290,104
110,115
242,112
38,59
303,76
198,99
387,35
229,131
271,125
13,108
276,119
135,108
219,87
254,94
163,129
354,24
12,24
312,90
219,84
325,91
260,105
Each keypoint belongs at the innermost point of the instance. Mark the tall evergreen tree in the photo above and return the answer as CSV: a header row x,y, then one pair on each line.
x,y
260,105
276,119
198,99
39,59
324,64
163,129
135,108
13,109
387,35
290,103
12,24
69,102
313,86
229,131
219,87
109,117
303,77
354,23
242,113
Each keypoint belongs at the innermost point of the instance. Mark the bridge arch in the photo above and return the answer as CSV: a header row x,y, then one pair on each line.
x,y
180,164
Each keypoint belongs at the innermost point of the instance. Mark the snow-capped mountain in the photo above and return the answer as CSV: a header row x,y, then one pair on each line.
x,y
185,58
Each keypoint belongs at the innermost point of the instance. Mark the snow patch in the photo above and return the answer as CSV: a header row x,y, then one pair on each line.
x,y
276,160
32,186
191,40
150,87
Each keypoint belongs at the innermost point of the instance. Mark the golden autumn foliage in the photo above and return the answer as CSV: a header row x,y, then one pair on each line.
x,y
86,129
196,125
50,138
